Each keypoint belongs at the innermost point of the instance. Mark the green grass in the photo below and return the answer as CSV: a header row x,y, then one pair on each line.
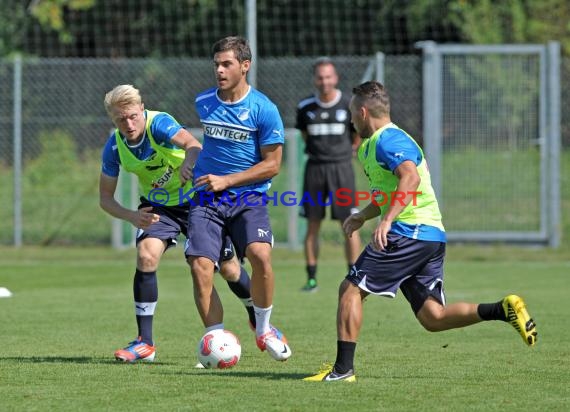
x,y
72,308
480,193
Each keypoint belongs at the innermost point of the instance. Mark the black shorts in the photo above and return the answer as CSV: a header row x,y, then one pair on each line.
x,y
173,221
321,182
244,218
413,266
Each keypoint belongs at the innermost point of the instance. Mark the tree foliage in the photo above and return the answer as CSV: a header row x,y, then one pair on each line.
x,y
142,28
50,14
12,26
512,21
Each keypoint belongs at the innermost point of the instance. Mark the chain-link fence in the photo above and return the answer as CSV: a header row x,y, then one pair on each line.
x,y
64,127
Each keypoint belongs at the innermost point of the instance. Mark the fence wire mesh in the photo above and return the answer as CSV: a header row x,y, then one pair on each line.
x,y
64,127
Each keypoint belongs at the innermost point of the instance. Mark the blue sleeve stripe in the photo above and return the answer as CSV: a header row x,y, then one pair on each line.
x,y
270,142
305,102
205,96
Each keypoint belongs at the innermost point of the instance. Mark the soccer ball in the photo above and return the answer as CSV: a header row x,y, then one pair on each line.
x,y
219,349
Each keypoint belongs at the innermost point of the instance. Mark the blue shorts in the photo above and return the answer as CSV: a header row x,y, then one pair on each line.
x,y
413,266
173,221
244,218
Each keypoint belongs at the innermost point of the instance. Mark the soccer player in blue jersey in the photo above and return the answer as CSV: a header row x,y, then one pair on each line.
x,y
153,146
408,246
243,140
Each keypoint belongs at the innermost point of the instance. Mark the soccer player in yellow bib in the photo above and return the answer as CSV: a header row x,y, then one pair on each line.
x,y
156,148
407,249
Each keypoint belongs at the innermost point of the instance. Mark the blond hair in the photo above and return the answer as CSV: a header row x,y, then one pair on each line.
x,y
121,96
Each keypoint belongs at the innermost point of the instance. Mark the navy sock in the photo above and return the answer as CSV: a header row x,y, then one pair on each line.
x,y
312,271
251,315
145,292
492,311
344,356
241,289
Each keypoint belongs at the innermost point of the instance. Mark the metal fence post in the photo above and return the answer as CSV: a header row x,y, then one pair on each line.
x,y
251,29
17,116
432,112
553,52
375,69
291,140
380,67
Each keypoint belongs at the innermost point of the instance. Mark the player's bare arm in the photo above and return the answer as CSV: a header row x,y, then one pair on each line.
x,y
141,218
356,140
356,220
267,168
408,182
185,140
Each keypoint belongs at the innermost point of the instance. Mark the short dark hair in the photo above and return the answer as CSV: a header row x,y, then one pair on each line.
x,y
237,44
374,96
321,61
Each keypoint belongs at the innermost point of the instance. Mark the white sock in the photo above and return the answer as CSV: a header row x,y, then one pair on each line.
x,y
262,316
214,327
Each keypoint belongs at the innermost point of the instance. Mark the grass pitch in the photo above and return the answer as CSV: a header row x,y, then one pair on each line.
x,y
73,307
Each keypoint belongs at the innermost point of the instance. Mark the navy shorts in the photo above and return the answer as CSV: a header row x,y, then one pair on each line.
x,y
413,266
214,216
173,221
321,183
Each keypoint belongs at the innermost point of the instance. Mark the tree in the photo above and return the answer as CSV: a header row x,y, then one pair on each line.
x,y
509,21
50,14
512,21
12,26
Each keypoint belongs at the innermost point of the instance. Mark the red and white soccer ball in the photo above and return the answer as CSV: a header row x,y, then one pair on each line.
x,y
219,349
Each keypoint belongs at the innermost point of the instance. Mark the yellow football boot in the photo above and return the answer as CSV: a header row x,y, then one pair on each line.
x,y
518,317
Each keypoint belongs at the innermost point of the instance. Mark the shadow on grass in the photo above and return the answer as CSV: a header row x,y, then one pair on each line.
x,y
71,359
240,374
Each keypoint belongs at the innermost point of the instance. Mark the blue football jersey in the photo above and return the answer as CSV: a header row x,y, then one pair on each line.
x,y
395,147
234,134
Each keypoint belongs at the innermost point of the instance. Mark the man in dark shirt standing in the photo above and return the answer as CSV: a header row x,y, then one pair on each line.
x,y
330,140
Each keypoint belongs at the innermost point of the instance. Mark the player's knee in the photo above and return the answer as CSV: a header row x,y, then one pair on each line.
x,y
430,326
347,288
431,318
230,270
201,267
313,228
149,251
146,261
259,255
